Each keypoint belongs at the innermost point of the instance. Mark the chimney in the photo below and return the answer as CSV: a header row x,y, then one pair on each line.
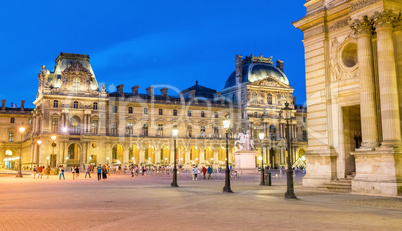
x,y
135,90
22,104
164,92
120,89
150,91
3,104
294,101
239,68
279,64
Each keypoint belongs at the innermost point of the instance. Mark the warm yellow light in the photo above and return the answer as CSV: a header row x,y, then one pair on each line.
x,y
107,158
67,158
132,158
47,157
226,123
165,158
196,158
303,158
53,138
39,142
212,159
261,135
22,130
260,158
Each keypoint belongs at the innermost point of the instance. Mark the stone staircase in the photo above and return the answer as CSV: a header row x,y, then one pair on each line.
x,y
340,185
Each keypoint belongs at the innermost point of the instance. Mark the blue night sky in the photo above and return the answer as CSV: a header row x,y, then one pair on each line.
x,y
147,42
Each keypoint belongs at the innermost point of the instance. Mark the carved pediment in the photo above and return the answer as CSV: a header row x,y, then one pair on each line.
x,y
269,82
75,71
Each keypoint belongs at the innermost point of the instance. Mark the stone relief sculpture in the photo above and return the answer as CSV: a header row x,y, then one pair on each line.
x,y
245,142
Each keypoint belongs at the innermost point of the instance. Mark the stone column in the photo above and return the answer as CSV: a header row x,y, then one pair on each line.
x,y
398,59
387,79
125,154
364,29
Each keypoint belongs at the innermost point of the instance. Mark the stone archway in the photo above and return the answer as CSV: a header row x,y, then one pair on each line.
x,y
117,154
73,154
194,155
209,155
149,155
181,155
165,155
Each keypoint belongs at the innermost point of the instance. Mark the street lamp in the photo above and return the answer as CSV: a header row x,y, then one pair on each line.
x,y
47,160
290,193
261,135
107,158
19,173
175,132
226,125
53,144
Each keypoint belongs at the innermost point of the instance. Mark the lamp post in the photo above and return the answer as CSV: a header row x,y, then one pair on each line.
x,y
107,158
19,173
53,144
175,132
226,125
261,136
47,160
290,193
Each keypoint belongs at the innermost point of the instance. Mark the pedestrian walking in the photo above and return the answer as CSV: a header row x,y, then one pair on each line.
x,y
73,171
196,171
108,170
77,171
209,172
144,171
47,171
204,171
136,170
40,171
61,172
34,171
87,171
104,172
99,171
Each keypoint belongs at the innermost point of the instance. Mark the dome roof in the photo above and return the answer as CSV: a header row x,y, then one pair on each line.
x,y
257,71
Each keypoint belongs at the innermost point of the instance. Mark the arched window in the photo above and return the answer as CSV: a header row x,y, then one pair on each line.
x,y
76,85
95,106
75,104
269,98
56,104
272,132
75,124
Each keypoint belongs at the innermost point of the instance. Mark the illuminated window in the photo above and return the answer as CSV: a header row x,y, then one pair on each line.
x,y
94,127
11,136
75,124
55,125
129,129
56,104
254,95
76,85
95,106
160,129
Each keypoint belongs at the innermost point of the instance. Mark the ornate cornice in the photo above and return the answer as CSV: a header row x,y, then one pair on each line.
x,y
385,18
315,6
361,4
362,26
398,23
339,24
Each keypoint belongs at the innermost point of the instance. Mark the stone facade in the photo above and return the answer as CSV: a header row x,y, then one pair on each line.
x,y
353,80
95,126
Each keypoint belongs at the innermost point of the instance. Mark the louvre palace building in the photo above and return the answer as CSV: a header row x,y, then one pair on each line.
x,y
90,125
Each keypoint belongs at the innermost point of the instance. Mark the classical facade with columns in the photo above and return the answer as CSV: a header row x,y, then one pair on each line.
x,y
94,126
353,55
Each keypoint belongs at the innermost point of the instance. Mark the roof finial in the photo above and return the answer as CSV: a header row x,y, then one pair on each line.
x,y
196,82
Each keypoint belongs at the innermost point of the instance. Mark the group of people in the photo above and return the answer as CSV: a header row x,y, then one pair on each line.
x,y
41,170
195,172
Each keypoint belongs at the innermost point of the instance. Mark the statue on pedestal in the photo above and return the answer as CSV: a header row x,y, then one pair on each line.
x,y
245,142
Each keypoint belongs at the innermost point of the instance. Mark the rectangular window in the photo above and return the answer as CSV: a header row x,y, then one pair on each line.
x,y
75,104
304,119
94,127
130,110
95,106
11,137
145,111
202,130
160,111
55,125
160,129
174,112
113,129
129,129
202,114
216,114
188,113
114,109
56,104
145,130
12,120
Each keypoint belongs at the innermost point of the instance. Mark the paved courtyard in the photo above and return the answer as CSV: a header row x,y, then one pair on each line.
x,y
149,203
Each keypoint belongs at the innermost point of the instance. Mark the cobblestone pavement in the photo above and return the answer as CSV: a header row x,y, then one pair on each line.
x,y
149,203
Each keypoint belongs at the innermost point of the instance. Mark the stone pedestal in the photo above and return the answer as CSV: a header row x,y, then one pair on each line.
x,y
378,172
321,167
245,162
